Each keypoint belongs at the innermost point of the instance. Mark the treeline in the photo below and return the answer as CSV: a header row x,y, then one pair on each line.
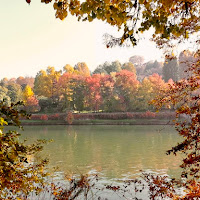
x,y
112,87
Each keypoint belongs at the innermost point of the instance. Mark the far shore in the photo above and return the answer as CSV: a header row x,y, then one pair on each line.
x,y
123,118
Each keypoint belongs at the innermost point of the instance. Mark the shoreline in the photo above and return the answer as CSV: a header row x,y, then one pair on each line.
x,y
123,118
98,122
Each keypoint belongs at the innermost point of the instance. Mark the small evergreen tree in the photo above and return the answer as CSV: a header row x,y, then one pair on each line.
x,y
170,70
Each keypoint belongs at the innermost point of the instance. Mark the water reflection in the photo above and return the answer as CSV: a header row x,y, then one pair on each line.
x,y
116,152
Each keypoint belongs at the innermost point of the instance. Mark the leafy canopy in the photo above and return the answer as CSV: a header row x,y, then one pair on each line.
x,y
171,20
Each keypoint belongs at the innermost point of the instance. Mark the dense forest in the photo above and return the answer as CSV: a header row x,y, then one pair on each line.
x,y
111,87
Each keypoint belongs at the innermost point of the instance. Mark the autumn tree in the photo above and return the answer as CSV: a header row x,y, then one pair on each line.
x,y
20,80
144,95
129,66
170,20
25,81
19,175
68,68
52,80
93,96
148,89
27,93
4,95
158,84
184,95
4,82
46,83
82,69
40,84
107,92
11,81
31,103
65,90
125,87
46,87
78,92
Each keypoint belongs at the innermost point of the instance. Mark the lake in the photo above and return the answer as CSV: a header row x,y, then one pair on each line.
x,y
114,152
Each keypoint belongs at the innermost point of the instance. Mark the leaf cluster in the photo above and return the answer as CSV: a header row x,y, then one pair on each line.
x,y
184,96
19,173
171,20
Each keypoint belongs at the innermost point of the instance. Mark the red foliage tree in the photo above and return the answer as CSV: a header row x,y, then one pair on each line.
x,y
94,98
125,87
32,104
65,90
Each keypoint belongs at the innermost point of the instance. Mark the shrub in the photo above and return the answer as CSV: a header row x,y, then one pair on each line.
x,y
44,117
149,114
54,116
70,118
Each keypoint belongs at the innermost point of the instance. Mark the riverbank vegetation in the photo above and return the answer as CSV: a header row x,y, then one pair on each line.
x,y
112,87
120,118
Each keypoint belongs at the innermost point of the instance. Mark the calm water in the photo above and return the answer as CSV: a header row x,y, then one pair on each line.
x,y
115,152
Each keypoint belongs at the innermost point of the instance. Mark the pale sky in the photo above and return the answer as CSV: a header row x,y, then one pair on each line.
x,y
32,39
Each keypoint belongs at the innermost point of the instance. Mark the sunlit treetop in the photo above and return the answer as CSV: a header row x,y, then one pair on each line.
x,y
171,20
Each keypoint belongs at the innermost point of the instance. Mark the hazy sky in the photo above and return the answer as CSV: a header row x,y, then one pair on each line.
x,y
32,39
